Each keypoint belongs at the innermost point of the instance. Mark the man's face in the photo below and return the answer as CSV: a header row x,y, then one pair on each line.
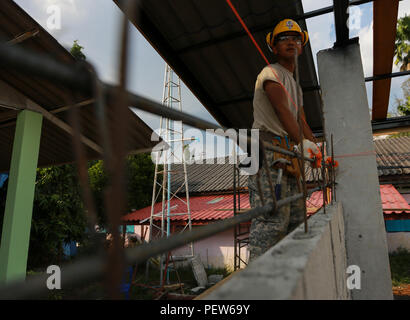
x,y
287,43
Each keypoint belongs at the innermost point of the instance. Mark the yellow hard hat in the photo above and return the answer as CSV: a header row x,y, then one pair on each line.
x,y
285,26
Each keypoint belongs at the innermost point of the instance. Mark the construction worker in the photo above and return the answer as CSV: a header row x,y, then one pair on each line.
x,y
276,102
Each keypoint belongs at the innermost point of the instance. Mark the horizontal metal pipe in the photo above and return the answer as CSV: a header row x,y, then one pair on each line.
x,y
158,109
77,77
144,252
387,76
84,271
74,76
90,269
368,79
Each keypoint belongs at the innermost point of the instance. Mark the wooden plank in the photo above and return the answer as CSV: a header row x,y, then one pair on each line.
x,y
384,35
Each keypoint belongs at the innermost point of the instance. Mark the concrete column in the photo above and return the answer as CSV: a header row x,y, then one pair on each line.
x,y
346,116
20,195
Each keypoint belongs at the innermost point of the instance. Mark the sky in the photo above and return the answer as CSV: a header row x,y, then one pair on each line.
x,y
96,24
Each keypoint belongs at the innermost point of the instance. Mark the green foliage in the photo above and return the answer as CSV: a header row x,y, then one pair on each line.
x,y
77,51
402,45
400,267
58,214
398,135
140,178
98,180
403,106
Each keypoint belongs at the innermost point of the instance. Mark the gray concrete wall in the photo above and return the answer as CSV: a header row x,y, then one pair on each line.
x,y
346,116
301,266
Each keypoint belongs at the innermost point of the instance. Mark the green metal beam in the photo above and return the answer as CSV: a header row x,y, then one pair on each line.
x,y
20,196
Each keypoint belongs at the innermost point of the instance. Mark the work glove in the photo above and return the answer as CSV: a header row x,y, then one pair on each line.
x,y
311,151
330,162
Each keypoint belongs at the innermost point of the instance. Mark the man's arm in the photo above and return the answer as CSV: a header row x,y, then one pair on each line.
x,y
307,132
279,101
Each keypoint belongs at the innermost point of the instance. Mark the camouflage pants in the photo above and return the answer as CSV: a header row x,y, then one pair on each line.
x,y
266,231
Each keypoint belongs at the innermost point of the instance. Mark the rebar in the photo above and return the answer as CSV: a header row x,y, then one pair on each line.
x,y
89,269
82,78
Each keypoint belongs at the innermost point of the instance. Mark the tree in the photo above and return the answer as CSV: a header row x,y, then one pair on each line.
x,y
140,177
58,214
403,106
76,51
402,44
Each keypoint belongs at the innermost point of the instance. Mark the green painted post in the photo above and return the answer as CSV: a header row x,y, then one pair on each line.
x,y
20,195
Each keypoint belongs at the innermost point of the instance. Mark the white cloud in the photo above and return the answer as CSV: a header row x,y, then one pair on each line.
x,y
366,49
404,8
310,5
320,34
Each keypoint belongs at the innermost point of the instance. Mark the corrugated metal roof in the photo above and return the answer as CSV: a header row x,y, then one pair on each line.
x,y
393,152
390,153
207,208
207,47
56,144
207,177
203,208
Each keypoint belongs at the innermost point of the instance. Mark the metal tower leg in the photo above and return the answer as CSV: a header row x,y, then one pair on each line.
x,y
169,132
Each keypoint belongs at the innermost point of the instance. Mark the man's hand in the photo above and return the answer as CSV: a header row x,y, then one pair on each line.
x,y
312,151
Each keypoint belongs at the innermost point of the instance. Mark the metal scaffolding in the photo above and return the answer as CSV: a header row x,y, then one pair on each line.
x,y
172,132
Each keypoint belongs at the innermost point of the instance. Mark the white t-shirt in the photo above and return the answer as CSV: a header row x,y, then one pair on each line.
x,y
264,115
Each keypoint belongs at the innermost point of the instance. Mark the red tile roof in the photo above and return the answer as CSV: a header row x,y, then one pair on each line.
x,y
203,208
218,207
392,199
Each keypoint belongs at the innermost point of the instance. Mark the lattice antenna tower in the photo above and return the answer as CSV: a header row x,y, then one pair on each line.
x,y
161,221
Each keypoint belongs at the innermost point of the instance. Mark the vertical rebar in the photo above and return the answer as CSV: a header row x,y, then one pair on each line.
x,y
301,137
115,195
334,169
323,177
235,229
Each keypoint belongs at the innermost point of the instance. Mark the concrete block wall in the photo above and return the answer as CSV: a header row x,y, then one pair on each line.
x,y
301,266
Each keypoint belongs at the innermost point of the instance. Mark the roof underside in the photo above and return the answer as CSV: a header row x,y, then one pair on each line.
x,y
56,144
206,46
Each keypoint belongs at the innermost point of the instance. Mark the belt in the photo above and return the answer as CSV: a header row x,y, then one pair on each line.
x,y
285,143
271,137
